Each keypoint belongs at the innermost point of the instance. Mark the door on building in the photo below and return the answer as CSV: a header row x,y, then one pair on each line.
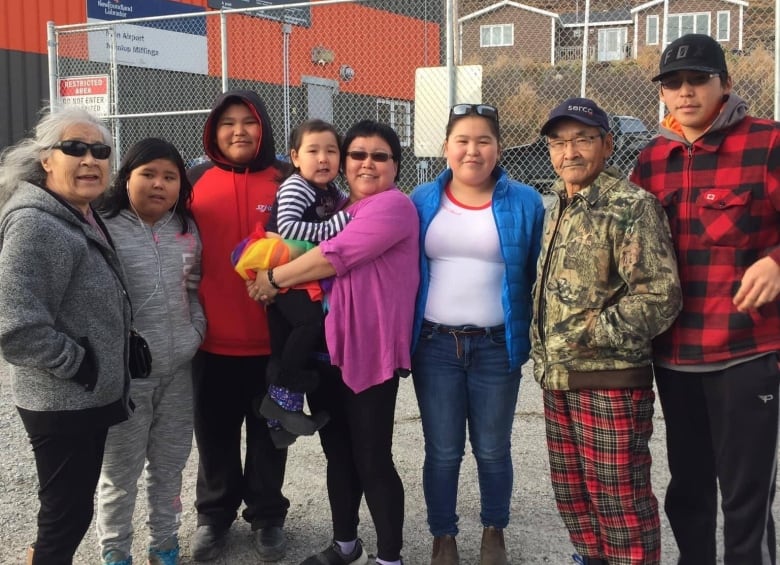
x,y
319,97
612,44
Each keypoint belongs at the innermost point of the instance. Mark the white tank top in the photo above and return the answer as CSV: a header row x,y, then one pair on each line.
x,y
466,266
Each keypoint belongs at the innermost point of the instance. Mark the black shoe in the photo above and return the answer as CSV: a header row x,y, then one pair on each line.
x,y
270,543
208,542
293,421
281,438
333,556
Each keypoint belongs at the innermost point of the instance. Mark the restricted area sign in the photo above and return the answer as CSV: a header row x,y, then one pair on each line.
x,y
90,92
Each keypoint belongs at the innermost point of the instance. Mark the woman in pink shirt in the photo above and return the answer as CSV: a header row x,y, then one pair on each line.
x,y
368,332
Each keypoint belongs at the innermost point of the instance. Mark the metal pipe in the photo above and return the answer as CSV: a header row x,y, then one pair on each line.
x,y
585,34
451,69
224,48
51,48
777,60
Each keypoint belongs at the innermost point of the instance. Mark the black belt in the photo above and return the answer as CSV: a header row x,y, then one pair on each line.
x,y
462,330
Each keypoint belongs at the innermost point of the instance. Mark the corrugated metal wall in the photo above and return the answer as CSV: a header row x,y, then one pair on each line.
x,y
25,75
23,62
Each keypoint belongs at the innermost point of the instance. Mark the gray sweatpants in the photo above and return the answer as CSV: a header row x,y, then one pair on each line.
x,y
159,433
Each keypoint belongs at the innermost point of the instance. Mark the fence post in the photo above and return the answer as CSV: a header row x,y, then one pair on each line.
x,y
223,45
51,48
777,60
451,69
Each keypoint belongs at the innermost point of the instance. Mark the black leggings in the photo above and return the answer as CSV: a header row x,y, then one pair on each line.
x,y
295,323
358,444
68,467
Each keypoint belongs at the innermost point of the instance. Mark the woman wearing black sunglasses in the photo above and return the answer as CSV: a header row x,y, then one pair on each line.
x,y
479,240
64,317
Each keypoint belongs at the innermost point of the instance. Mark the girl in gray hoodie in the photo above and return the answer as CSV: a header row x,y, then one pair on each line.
x,y
147,214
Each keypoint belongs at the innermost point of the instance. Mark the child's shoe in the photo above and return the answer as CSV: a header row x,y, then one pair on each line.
x,y
116,557
166,554
281,438
295,421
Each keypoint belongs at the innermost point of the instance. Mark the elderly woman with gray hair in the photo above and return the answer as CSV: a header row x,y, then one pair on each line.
x,y
64,317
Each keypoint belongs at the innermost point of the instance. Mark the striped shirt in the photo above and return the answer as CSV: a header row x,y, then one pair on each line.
x,y
304,212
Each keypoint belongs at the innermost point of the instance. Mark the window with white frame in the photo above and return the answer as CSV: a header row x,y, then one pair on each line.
x,y
724,26
651,37
398,115
498,35
682,24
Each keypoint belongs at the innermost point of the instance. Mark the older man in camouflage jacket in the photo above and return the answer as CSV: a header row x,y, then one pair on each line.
x,y
607,284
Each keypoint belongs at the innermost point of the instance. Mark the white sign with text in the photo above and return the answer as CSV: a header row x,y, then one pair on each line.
x,y
174,45
90,92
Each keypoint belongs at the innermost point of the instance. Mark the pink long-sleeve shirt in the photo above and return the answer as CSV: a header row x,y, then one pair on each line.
x,y
369,325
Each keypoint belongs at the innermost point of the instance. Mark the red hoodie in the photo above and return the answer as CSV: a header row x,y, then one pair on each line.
x,y
229,200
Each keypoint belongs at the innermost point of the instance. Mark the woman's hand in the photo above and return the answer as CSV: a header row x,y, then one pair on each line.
x,y
260,289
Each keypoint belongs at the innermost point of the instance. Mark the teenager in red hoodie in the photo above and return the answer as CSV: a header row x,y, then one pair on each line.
x,y
232,194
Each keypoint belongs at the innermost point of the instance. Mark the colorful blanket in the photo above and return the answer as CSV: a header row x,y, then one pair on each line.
x,y
259,252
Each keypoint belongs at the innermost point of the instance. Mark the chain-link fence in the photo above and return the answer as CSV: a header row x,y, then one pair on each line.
x,y
345,60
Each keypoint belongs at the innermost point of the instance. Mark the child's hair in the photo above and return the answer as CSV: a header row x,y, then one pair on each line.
x,y
145,151
296,140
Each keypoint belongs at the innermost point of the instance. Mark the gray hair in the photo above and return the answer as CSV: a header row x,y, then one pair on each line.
x,y
22,161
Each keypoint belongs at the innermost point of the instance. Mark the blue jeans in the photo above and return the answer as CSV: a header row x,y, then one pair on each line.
x,y
459,380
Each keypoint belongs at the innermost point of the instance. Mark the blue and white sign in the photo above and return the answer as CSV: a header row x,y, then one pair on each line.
x,y
176,44
296,16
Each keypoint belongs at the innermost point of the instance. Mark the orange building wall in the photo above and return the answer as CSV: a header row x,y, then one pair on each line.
x,y
384,49
23,22
384,59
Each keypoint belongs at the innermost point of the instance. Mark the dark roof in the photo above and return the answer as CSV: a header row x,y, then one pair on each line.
x,y
578,18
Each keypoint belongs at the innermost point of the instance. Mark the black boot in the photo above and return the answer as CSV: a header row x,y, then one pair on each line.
x,y
296,422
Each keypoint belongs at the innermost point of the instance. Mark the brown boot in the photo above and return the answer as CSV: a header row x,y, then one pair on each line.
x,y
29,556
445,551
493,549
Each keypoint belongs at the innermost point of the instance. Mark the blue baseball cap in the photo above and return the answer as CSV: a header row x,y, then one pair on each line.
x,y
582,110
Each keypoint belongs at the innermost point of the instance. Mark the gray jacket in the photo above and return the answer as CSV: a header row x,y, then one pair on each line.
x,y
64,316
162,267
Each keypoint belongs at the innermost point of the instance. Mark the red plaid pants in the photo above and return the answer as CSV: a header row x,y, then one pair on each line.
x,y
600,460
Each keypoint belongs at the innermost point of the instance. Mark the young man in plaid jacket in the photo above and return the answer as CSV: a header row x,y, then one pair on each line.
x,y
716,171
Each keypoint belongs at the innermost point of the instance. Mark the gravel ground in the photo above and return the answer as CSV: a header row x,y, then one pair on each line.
x,y
534,536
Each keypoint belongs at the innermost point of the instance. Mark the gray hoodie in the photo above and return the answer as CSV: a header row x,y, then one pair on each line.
x,y
162,267
64,316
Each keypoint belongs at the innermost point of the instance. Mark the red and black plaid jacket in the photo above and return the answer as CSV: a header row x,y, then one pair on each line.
x,y
722,197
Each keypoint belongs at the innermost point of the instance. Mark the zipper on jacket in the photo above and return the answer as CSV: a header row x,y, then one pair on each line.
x,y
564,202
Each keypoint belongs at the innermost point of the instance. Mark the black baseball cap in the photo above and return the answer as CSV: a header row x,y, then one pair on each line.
x,y
692,52
582,110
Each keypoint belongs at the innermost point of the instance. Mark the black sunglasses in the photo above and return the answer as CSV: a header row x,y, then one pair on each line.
x,y
76,148
378,156
484,110
675,82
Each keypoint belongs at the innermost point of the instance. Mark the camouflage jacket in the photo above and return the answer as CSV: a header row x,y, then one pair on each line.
x,y
607,284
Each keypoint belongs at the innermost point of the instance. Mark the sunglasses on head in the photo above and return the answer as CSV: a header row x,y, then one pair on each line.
x,y
484,110
378,156
76,148
675,82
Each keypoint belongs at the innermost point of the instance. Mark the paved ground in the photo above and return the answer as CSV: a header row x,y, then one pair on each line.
x,y
534,536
